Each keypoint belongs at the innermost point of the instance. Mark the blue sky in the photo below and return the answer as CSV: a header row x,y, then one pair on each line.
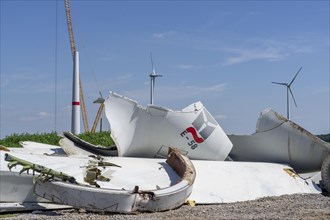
x,y
223,53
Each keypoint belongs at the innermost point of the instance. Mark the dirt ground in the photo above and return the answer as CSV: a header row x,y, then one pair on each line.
x,y
307,206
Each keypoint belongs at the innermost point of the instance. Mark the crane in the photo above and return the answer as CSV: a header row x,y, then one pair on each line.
x,y
73,50
99,112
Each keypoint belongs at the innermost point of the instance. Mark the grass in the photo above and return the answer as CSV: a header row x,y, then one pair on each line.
x,y
100,138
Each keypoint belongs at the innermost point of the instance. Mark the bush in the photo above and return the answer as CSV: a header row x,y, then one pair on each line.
x,y
325,137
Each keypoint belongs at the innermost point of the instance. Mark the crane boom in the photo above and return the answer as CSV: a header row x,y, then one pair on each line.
x,y
73,50
97,118
69,21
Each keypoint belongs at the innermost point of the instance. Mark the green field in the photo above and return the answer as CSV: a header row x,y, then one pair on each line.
x,y
100,138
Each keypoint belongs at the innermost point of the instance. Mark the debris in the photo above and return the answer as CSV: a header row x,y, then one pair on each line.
x,y
325,173
49,173
279,140
123,201
148,132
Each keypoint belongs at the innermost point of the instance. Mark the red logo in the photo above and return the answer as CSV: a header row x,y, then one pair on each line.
x,y
202,127
193,132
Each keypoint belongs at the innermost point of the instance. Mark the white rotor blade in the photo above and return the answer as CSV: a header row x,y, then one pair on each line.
x,y
284,84
292,96
295,76
152,63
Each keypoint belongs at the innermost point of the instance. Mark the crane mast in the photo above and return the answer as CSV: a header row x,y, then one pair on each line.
x,y
97,118
73,50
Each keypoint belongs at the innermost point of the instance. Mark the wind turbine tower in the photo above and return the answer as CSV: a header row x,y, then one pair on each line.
x,y
153,77
288,89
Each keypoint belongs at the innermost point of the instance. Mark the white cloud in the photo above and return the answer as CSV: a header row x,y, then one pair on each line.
x,y
163,34
215,88
44,114
158,35
269,50
246,55
38,116
177,92
28,83
185,66
18,78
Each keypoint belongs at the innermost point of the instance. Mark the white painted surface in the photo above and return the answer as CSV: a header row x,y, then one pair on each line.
x,y
17,188
224,182
216,181
148,132
279,140
159,186
112,200
30,147
75,117
70,149
123,200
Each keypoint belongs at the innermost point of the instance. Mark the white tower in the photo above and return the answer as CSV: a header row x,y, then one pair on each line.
x,y
75,117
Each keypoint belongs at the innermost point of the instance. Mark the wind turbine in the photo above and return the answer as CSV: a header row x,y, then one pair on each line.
x,y
288,89
153,77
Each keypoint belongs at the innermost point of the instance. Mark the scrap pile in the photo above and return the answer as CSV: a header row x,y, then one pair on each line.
x,y
164,158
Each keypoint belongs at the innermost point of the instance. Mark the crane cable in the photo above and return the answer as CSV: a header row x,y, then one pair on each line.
x,y
83,45
55,88
91,69
73,50
100,110
0,79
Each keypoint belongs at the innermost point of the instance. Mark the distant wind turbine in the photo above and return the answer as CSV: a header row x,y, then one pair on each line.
x,y
288,89
153,76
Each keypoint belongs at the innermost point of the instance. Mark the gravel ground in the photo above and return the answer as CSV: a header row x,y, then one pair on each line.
x,y
308,206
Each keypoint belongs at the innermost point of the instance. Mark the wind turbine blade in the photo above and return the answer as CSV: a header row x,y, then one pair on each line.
x,y
295,76
293,97
152,63
284,84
